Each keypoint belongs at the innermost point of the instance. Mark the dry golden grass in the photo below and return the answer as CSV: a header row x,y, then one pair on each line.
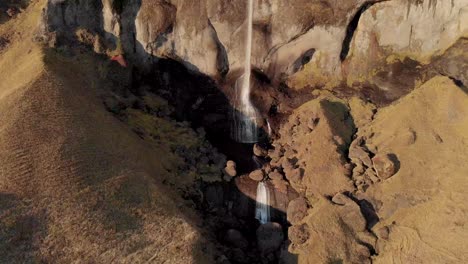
x,y
76,184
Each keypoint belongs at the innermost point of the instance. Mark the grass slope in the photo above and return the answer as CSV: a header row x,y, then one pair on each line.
x,y
76,184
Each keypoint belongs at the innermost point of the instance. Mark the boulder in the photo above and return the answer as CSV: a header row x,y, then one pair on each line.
x,y
230,168
341,199
297,210
259,151
386,165
294,174
362,111
276,153
267,168
358,153
394,38
243,197
257,175
315,161
299,234
383,232
275,175
343,223
270,236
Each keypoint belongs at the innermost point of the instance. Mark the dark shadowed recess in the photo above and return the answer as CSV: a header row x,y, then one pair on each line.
x,y
197,99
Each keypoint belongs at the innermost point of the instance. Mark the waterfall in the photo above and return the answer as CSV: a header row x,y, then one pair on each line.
x,y
268,128
245,91
262,209
245,116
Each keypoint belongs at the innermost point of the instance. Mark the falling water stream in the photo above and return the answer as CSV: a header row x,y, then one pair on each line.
x,y
262,209
245,118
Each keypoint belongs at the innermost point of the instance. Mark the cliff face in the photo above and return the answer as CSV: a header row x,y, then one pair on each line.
x,y
349,40
356,46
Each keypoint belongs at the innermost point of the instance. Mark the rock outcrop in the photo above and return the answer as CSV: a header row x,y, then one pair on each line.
x,y
304,40
333,232
312,147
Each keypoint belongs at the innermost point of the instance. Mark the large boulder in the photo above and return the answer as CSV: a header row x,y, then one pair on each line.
x,y
344,223
297,210
386,165
314,141
257,175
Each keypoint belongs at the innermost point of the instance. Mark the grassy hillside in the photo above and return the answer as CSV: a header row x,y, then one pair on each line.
x,y
76,183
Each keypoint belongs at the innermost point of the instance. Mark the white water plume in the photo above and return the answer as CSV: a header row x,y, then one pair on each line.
x,y
262,208
245,118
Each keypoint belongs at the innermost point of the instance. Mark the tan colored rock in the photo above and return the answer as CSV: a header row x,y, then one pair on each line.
x,y
418,28
386,165
358,153
383,232
98,46
299,234
319,159
259,151
281,185
341,199
257,175
344,223
362,111
275,175
230,168
297,210
267,168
